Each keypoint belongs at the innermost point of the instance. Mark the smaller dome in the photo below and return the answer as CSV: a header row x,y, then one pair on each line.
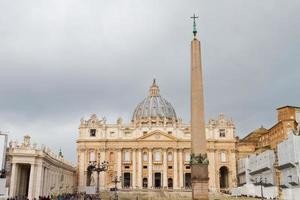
x,y
154,106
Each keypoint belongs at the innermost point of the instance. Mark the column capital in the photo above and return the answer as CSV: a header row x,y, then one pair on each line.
x,y
180,149
118,149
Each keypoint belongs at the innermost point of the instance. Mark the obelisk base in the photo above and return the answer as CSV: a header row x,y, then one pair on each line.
x,y
200,182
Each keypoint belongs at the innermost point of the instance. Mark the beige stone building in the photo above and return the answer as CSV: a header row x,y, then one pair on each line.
x,y
34,171
153,150
262,139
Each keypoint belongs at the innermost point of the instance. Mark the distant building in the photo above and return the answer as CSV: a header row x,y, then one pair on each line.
x,y
262,139
269,159
34,171
153,150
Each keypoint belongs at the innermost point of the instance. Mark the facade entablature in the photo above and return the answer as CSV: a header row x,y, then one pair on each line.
x,y
35,154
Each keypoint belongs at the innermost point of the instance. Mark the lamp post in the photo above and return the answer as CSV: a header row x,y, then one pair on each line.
x,y
3,172
98,167
116,180
261,188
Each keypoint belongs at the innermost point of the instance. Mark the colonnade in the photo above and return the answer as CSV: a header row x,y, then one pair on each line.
x,y
34,180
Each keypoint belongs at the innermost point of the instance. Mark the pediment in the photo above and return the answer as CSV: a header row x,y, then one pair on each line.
x,y
157,136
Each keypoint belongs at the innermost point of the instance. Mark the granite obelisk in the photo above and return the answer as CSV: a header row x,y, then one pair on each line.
x,y
199,161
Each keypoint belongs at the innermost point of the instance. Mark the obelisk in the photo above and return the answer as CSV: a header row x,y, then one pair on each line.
x,y
199,161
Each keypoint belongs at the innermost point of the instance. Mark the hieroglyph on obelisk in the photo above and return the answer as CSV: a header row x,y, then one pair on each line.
x,y
199,161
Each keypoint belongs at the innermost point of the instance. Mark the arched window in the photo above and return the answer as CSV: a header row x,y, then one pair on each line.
x,y
170,156
145,156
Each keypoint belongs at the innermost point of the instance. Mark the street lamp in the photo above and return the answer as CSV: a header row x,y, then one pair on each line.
x,y
97,167
116,180
3,172
261,187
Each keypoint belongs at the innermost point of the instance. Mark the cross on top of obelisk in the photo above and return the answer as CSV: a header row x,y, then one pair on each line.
x,y
194,17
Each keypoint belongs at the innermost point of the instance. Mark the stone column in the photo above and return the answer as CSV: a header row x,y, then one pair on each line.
x,y
139,169
119,166
46,178
212,170
133,168
13,181
31,182
102,182
175,170
199,170
165,169
39,181
82,162
150,169
180,169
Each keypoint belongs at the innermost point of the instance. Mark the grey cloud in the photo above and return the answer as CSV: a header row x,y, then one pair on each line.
x,y
62,60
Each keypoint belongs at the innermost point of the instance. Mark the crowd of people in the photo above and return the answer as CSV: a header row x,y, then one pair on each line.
x,y
75,196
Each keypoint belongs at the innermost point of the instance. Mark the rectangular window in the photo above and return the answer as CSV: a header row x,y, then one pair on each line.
x,y
187,157
170,167
222,132
170,132
127,133
145,167
223,157
126,156
157,156
92,155
92,132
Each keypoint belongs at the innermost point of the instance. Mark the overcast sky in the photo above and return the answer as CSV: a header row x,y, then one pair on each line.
x,y
63,60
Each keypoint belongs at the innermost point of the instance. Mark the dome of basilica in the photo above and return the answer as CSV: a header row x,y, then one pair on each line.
x,y
155,107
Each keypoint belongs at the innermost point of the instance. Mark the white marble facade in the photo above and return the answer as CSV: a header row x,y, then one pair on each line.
x,y
34,171
153,150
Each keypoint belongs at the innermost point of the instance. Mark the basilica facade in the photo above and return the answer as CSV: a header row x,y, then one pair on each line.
x,y
153,150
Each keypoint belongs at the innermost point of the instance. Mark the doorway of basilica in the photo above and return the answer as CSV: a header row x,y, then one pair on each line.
x,y
170,183
145,182
157,180
224,184
127,179
187,180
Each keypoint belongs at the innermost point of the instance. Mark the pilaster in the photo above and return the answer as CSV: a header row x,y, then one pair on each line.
x,y
150,175
133,168
165,169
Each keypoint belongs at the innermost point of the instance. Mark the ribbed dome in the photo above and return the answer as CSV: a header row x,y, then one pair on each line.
x,y
154,106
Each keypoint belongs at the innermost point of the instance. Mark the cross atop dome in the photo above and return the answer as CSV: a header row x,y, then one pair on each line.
x,y
194,17
154,89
